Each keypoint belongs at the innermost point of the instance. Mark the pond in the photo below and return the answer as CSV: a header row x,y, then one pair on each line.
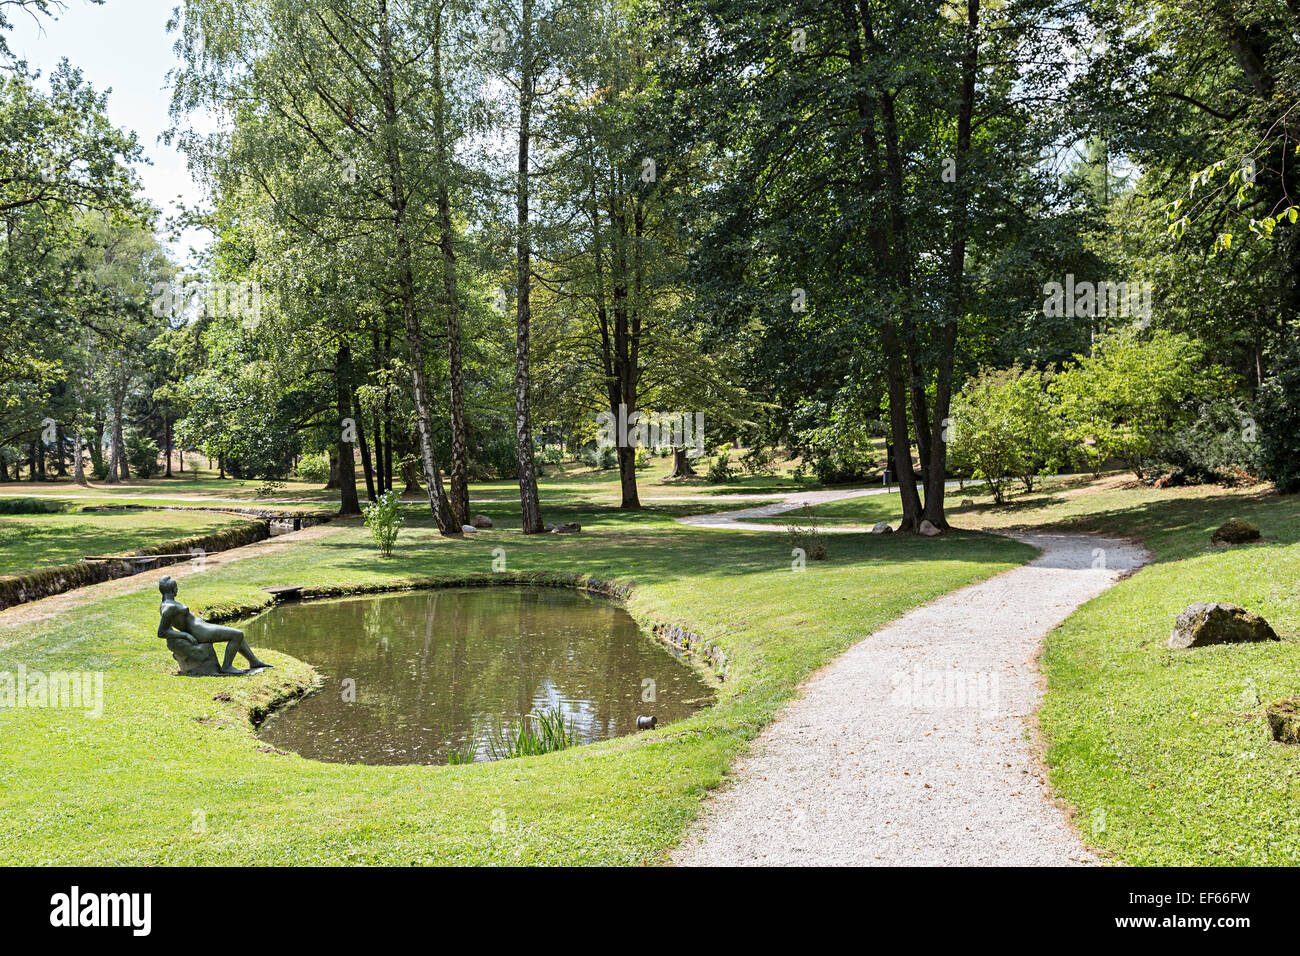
x,y
406,675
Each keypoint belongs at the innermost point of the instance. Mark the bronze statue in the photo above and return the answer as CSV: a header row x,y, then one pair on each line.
x,y
190,638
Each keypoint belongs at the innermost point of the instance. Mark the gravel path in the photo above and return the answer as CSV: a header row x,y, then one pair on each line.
x,y
913,747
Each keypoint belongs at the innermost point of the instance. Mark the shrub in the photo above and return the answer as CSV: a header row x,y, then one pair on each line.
x,y
838,467
142,454
806,535
1279,422
1217,445
1003,425
314,468
500,456
31,506
1130,394
383,517
758,461
643,458
720,471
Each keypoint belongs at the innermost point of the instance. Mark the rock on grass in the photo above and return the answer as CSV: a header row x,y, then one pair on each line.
x,y
1284,720
1200,625
1235,531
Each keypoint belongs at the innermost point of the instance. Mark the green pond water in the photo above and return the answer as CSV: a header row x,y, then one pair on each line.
x,y
406,674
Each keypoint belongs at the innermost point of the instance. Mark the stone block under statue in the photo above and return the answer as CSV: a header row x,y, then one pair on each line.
x,y
191,639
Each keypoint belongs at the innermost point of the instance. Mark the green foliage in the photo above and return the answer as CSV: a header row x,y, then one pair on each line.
x,y
1130,393
142,454
1004,425
1220,442
758,460
499,457
314,468
384,518
31,506
1279,422
539,733
720,470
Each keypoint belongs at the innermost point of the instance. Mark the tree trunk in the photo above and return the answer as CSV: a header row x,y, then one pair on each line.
x,y
365,450
438,502
333,482
681,464
529,504
348,504
167,431
60,469
116,464
934,493
459,474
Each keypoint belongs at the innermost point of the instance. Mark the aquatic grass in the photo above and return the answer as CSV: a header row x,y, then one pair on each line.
x,y
465,751
534,734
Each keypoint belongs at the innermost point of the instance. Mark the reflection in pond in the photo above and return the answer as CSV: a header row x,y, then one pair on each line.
x,y
407,674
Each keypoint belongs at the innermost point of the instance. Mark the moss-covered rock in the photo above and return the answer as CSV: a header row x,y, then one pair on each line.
x,y
1200,625
1235,531
1284,720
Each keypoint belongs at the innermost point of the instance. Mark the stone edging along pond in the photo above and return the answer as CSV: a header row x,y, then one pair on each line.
x,y
27,586
706,657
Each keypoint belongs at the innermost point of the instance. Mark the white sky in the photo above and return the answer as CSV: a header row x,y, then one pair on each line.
x,y
124,46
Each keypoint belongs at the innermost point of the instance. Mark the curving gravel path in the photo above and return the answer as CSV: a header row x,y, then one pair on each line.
x,y
914,746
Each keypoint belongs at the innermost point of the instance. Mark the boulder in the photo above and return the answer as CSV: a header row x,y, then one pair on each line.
x,y
551,528
882,527
928,529
569,527
482,521
193,658
468,529
1203,624
1235,531
968,502
1284,720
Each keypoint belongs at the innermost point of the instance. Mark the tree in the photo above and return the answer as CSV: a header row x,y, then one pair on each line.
x,y
1134,389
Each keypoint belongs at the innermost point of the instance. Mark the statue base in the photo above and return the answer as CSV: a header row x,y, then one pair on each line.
x,y
195,660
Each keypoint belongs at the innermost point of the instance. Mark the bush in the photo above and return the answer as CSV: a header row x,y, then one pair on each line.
x,y
383,517
1126,398
142,454
1217,445
720,471
643,458
31,506
1279,423
500,456
838,467
758,461
314,468
1003,425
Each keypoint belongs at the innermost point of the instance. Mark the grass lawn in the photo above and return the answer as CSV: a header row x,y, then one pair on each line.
x,y
568,483
42,540
70,785
1167,754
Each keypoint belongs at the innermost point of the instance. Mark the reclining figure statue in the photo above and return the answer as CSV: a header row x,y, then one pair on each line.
x,y
190,638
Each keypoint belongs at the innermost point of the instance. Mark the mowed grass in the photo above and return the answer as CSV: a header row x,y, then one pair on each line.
x,y
1167,754
171,775
35,541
